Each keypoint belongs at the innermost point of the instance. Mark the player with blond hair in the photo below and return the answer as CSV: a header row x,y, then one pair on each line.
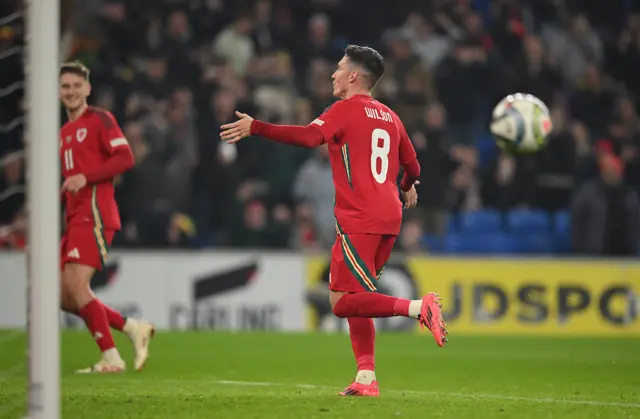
x,y
93,151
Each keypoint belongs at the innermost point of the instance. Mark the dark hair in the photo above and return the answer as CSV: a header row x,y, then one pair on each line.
x,y
75,67
367,58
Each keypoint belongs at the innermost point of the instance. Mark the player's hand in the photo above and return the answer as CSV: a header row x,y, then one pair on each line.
x,y
410,196
74,183
238,130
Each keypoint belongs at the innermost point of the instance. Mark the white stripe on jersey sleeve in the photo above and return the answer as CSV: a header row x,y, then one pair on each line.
x,y
116,142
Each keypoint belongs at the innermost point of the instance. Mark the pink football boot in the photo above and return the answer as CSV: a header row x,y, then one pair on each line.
x,y
431,316
362,390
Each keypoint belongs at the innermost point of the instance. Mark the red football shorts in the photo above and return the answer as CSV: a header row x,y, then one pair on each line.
x,y
357,260
85,245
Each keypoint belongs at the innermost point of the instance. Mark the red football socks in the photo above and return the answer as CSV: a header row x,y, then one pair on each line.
x,y
371,304
95,317
115,319
363,336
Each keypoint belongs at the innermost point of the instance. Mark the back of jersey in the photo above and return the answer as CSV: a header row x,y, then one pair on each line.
x,y
365,158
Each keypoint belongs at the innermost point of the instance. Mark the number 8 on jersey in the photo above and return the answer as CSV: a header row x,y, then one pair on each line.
x,y
380,146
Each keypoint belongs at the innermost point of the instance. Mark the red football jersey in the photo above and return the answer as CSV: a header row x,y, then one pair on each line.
x,y
87,143
367,145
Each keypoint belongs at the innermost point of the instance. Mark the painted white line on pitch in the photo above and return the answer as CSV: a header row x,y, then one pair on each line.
x,y
544,400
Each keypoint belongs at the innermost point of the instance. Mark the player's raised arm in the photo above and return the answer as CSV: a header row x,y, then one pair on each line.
x,y
408,161
287,134
114,142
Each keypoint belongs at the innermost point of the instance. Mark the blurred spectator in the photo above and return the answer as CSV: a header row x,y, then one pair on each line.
x,y
429,46
509,21
318,42
535,72
465,80
411,236
234,44
624,55
12,193
465,192
593,101
257,228
14,235
314,187
576,48
432,147
605,213
555,168
305,231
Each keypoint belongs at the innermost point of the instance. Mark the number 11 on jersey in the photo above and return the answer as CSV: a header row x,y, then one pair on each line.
x,y
380,152
68,159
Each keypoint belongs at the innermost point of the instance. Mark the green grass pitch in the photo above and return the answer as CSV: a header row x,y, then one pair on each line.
x,y
253,375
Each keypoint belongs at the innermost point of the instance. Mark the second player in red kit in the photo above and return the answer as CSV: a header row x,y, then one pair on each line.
x,y
93,151
367,145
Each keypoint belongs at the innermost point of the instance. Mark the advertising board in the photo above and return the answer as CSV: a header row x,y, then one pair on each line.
x,y
550,297
200,290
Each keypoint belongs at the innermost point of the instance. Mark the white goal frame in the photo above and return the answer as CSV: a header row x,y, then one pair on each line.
x,y
42,44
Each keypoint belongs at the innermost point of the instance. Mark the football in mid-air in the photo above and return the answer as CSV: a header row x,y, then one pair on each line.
x,y
520,123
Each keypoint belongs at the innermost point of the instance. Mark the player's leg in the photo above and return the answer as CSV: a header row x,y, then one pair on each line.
x,y
87,247
350,299
116,320
76,279
361,330
354,281
139,332
67,303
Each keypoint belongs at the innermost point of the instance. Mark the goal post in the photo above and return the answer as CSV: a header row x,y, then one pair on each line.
x,y
43,206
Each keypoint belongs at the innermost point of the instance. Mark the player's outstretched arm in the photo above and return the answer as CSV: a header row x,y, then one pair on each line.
x,y
287,134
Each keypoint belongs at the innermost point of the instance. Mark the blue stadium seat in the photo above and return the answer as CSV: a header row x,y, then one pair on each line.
x,y
528,221
453,223
484,221
433,243
541,243
504,244
562,232
562,222
483,244
463,244
562,243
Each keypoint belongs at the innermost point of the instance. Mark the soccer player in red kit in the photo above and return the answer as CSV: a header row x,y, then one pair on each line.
x,y
93,151
367,145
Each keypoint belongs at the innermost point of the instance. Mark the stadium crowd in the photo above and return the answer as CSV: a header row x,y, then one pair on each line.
x,y
173,71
